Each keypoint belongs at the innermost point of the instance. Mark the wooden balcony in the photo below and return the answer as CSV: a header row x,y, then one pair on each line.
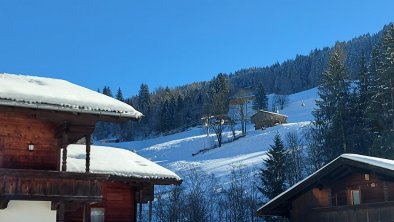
x,y
381,211
18,184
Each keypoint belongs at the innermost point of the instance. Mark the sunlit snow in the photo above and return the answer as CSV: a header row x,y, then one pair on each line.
x,y
175,151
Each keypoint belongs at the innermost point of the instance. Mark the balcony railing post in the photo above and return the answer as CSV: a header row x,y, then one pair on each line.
x,y
88,141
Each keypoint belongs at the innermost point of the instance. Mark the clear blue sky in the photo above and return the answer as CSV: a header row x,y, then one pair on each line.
x,y
173,42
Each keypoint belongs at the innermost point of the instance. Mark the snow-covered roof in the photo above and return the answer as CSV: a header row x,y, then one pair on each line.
x,y
272,113
116,162
56,94
375,162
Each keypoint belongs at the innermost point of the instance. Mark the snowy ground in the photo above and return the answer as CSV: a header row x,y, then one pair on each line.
x,y
175,151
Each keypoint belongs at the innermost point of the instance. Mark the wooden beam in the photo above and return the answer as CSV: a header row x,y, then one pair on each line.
x,y
150,211
64,146
140,207
3,204
54,205
88,141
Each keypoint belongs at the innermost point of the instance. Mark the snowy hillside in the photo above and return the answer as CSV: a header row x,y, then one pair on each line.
x,y
175,151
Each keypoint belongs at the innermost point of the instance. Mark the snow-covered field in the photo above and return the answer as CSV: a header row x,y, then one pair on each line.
x,y
175,151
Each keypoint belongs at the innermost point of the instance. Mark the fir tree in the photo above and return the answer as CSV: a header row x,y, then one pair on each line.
x,y
107,91
144,100
218,95
360,138
119,95
331,113
273,175
261,99
383,98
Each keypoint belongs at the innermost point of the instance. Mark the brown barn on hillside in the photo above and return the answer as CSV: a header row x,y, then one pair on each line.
x,y
350,188
263,119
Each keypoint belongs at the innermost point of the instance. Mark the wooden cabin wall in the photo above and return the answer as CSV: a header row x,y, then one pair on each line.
x,y
314,204
118,202
302,205
17,130
372,190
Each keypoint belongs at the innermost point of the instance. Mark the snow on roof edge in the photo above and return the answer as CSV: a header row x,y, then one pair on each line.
x,y
29,91
117,162
55,107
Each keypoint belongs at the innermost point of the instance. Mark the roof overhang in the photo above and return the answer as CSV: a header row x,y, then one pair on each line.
x,y
147,180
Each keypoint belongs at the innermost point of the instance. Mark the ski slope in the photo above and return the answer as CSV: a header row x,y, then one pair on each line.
x,y
176,151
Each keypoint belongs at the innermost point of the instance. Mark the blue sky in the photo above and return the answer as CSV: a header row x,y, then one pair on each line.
x,y
172,42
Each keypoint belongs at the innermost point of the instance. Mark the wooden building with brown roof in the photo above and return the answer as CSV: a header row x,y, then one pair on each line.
x,y
350,188
39,119
263,119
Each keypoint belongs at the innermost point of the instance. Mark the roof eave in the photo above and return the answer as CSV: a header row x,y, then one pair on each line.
x,y
153,181
58,108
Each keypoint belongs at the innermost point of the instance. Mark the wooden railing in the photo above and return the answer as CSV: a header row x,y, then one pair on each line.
x,y
381,211
19,184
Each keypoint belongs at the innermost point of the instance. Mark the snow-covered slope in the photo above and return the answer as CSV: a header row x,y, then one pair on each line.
x,y
175,151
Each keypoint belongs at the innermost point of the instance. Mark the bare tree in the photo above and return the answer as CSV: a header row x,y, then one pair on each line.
x,y
240,100
217,124
314,152
279,102
295,155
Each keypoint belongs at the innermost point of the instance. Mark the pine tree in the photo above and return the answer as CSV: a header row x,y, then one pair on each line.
x,y
144,100
261,99
360,138
107,91
383,98
119,95
331,113
273,175
218,95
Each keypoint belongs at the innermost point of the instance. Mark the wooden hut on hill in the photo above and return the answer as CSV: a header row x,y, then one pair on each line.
x,y
263,119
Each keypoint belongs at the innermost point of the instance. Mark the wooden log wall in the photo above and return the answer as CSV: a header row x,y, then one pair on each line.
x,y
118,202
17,130
314,204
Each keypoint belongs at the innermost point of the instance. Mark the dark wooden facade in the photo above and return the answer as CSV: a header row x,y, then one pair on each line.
x,y
263,119
17,130
41,174
345,190
118,204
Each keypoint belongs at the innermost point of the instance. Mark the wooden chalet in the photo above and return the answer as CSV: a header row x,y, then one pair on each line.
x,y
39,119
350,188
263,119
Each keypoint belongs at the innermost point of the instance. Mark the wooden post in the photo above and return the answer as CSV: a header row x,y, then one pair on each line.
x,y
88,141
150,211
86,215
140,208
3,204
64,146
61,212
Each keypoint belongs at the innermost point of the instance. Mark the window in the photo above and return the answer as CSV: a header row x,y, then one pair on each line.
x,y
356,197
97,214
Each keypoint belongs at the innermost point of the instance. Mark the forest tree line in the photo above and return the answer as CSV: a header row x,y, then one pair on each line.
x,y
169,110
